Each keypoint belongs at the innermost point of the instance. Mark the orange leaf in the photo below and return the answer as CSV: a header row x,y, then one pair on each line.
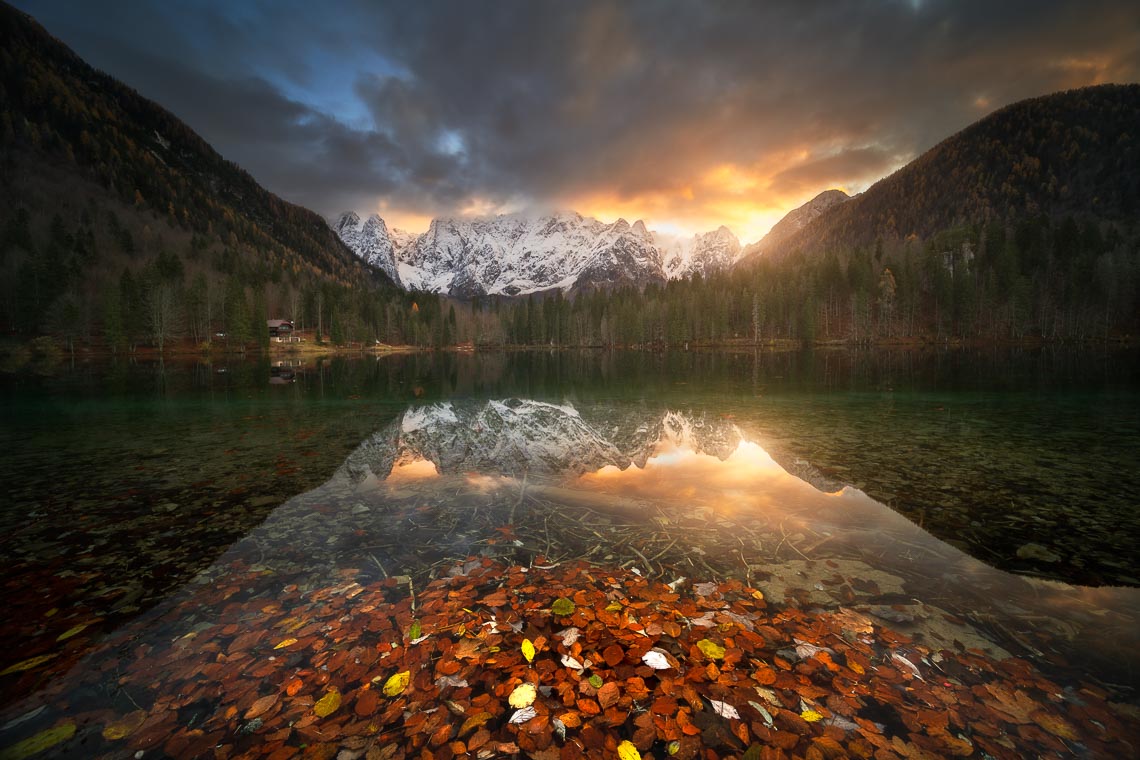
x,y
765,676
588,707
609,695
294,686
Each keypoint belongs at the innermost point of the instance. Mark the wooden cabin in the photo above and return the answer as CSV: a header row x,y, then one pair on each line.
x,y
279,327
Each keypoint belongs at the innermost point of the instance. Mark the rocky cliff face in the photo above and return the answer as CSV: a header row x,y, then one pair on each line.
x,y
370,240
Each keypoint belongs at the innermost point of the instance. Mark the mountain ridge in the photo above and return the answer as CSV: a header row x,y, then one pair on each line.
x,y
795,220
1075,152
517,254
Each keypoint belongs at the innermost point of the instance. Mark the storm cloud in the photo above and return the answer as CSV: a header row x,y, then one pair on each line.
x,y
688,115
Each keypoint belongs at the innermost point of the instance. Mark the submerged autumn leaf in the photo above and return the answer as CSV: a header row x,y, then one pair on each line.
x,y
562,606
27,664
711,649
656,659
33,745
627,751
125,726
396,684
523,695
328,704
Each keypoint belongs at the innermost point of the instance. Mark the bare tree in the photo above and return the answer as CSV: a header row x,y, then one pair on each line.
x,y
163,314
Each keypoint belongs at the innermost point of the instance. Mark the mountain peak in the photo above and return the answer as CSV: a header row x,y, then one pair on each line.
x,y
347,220
796,219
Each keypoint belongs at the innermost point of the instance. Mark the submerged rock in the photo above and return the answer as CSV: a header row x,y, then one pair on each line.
x,y
1037,552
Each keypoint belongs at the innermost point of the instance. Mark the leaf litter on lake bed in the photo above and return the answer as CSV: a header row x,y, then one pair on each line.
x,y
763,682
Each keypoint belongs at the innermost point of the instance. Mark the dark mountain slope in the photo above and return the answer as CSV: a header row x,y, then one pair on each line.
x,y
1074,153
56,109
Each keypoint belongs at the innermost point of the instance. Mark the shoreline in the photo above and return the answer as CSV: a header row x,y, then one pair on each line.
x,y
27,350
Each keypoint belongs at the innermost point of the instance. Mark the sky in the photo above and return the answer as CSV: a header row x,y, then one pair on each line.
x,y
687,115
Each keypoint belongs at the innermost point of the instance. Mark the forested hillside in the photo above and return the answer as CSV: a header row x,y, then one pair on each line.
x,y
114,212
1074,153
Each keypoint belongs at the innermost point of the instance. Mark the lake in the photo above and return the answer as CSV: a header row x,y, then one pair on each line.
x,y
197,555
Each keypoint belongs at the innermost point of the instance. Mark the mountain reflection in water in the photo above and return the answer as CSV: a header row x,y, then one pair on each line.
x,y
671,495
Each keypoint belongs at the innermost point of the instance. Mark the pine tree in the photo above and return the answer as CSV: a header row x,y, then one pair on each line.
x,y
113,333
237,314
259,324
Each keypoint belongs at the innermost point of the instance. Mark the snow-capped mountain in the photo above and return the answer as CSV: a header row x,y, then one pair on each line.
x,y
370,240
795,220
709,252
516,254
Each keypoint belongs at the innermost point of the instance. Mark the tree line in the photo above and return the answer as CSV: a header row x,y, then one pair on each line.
x,y
1069,279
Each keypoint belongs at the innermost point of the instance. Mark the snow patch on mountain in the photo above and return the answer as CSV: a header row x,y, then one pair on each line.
x,y
699,254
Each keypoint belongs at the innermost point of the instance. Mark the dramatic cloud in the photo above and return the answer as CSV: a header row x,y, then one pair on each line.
x,y
685,114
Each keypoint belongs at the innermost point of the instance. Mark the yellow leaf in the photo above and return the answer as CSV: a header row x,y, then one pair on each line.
x,y
328,704
562,606
811,716
71,632
711,649
395,685
523,695
613,607
626,751
758,595
528,650
51,612
28,664
124,726
285,642
856,667
38,743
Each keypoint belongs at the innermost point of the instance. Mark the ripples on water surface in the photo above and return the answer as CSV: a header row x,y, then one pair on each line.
x,y
932,493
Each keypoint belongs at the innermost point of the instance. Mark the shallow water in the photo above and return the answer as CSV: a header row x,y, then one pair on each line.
x,y
905,486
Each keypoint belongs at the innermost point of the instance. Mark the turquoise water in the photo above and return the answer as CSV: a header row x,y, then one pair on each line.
x,y
922,485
